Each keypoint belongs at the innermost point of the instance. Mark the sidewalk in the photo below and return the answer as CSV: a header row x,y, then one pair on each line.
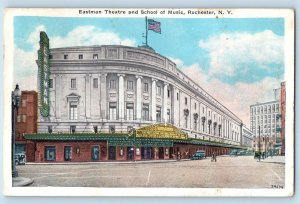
x,y
109,162
275,159
21,181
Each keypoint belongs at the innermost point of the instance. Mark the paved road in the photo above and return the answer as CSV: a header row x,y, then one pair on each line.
x,y
227,172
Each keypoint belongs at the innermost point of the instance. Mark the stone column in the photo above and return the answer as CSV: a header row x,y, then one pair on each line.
x,y
57,85
138,97
121,95
88,95
165,102
103,96
153,100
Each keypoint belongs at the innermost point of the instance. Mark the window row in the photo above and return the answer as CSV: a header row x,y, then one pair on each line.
x,y
80,56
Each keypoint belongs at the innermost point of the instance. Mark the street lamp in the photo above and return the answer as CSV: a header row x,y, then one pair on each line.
x,y
16,98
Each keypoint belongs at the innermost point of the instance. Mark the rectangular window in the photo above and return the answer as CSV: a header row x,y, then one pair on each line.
x,y
68,153
73,111
168,116
95,153
24,118
24,102
146,88
129,85
177,96
73,83
50,83
95,56
113,111
168,93
50,129
145,112
80,56
72,129
18,118
158,114
95,82
95,128
50,153
65,56
112,84
129,111
158,90
50,56
185,100
112,129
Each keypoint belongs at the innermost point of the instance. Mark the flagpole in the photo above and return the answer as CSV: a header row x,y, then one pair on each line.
x,y
146,32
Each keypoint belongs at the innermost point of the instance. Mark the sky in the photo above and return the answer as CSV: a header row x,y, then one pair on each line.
x,y
238,61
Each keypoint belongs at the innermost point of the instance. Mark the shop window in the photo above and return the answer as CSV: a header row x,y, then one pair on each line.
x,y
95,153
68,153
50,153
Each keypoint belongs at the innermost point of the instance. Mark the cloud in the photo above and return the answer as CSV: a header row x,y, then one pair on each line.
x,y
236,53
89,35
236,97
25,67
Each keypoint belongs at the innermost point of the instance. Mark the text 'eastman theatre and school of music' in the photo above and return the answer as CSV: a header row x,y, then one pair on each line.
x,y
114,102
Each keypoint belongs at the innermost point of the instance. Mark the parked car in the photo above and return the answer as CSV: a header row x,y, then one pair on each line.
x,y
200,154
20,158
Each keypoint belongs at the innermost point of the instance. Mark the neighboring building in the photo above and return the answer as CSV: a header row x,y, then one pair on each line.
x,y
122,102
26,119
247,137
264,124
282,130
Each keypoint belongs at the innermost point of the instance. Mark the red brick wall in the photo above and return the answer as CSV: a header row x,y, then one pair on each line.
x,y
84,153
28,107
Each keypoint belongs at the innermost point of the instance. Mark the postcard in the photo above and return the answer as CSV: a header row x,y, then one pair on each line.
x,y
148,102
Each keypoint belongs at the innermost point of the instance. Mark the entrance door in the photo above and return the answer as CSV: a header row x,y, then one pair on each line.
x,y
130,153
95,153
161,153
112,153
146,152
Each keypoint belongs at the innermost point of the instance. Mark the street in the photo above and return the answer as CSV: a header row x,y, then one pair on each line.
x,y
227,172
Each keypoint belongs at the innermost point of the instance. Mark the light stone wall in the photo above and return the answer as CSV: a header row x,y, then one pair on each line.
x,y
124,64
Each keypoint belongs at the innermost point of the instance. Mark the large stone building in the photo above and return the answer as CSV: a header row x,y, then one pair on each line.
x,y
115,90
247,137
265,125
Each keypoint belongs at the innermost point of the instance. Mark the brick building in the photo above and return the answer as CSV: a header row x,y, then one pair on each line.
x,y
26,119
282,101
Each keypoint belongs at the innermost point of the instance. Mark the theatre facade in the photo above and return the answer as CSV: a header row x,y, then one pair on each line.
x,y
114,102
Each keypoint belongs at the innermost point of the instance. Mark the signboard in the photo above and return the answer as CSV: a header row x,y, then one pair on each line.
x,y
44,72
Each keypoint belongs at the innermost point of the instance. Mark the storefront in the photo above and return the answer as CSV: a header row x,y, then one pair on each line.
x,y
148,143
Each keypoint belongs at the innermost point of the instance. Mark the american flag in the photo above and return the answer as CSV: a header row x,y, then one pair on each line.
x,y
154,25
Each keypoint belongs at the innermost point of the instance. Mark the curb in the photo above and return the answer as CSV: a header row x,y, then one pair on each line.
x,y
21,181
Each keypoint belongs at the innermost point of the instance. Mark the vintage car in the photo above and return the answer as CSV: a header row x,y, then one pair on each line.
x,y
200,154
20,158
